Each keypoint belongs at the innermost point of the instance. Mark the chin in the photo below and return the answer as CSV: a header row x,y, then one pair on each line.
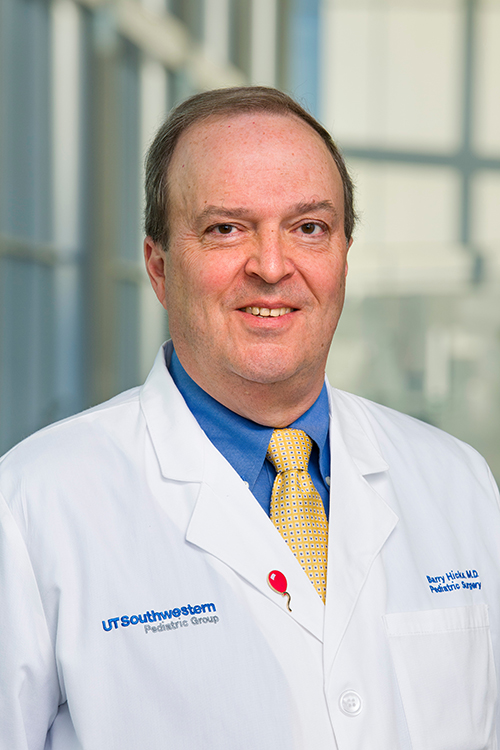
x,y
268,371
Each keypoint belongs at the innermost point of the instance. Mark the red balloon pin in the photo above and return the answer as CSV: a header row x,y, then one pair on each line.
x,y
278,583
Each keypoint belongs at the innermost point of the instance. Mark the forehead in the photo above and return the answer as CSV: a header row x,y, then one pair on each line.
x,y
264,127
223,152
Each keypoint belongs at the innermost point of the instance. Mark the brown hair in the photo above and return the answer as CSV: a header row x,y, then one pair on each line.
x,y
220,103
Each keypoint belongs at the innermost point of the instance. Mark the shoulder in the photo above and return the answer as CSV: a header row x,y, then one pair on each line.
x,y
410,445
389,421
75,440
384,420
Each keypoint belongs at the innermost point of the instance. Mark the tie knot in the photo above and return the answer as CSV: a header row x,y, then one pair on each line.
x,y
289,449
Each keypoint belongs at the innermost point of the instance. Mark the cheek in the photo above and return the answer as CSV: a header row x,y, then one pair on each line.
x,y
181,280
329,281
192,294
212,278
205,273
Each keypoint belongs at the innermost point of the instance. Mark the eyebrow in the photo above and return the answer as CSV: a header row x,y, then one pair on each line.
x,y
305,207
237,213
226,213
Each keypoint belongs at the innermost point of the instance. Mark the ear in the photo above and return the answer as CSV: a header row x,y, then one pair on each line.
x,y
348,247
154,255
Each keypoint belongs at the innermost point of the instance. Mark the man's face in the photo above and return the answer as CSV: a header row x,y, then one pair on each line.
x,y
253,279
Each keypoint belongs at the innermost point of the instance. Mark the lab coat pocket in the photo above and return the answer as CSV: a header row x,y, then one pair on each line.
x,y
444,665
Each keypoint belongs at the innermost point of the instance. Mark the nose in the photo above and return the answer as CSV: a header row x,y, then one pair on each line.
x,y
268,258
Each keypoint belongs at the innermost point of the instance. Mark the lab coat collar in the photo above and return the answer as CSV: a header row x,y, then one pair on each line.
x,y
231,526
349,420
167,415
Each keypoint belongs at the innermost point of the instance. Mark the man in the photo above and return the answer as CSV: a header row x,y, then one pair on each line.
x,y
148,599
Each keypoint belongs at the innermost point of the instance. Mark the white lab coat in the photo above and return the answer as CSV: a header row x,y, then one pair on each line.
x,y
128,509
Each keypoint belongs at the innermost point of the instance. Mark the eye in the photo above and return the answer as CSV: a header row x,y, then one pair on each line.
x,y
312,227
222,229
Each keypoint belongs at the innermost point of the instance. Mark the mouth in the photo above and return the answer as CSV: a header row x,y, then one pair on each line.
x,y
267,312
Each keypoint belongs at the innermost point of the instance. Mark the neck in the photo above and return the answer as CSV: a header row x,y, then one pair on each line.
x,y
271,404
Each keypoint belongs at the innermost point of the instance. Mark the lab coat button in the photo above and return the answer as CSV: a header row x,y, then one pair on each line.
x,y
350,703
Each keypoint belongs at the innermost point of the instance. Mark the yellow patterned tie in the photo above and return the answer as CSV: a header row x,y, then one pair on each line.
x,y
296,506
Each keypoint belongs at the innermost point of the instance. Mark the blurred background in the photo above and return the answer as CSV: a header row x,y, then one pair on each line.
x,y
410,89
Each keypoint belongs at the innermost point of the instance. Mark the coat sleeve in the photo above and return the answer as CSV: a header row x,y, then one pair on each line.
x,y
29,689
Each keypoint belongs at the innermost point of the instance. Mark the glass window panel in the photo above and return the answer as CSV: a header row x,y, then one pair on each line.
x,y
66,53
24,125
191,13
406,203
304,52
128,336
239,42
486,208
487,81
395,75
180,86
129,246
27,349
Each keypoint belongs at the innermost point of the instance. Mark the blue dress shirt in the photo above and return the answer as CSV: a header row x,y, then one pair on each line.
x,y
244,443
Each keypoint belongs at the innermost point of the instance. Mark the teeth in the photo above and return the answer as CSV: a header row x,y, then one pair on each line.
x,y
268,312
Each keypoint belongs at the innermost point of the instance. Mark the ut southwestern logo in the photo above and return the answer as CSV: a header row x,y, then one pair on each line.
x,y
167,619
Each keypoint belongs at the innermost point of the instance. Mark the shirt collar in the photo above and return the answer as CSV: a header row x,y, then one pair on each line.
x,y
242,442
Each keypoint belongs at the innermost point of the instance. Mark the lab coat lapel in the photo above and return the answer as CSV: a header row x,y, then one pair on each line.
x,y
229,524
360,519
167,415
227,521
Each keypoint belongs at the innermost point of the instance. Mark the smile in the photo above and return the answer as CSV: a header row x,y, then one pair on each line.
x,y
268,312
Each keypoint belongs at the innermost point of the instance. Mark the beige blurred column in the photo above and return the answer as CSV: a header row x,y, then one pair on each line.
x,y
154,95
216,30
104,206
66,187
263,42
